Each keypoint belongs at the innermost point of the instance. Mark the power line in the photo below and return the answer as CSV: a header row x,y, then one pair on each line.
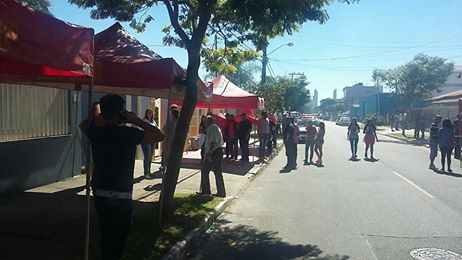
x,y
374,54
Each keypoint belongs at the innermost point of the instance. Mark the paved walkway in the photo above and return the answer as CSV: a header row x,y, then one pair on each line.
x,y
48,221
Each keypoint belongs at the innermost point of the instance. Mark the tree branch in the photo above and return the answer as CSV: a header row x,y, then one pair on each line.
x,y
173,14
205,13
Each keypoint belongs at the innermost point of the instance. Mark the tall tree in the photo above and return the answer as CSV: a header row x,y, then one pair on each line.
x,y
191,23
244,76
416,79
40,5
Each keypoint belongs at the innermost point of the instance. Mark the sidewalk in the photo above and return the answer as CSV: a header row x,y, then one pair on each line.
x,y
48,221
408,138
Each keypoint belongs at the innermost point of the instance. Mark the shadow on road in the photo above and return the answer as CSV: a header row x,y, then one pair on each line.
x,y
246,242
453,174
228,166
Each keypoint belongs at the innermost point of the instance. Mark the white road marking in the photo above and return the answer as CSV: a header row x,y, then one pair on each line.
x,y
370,248
414,185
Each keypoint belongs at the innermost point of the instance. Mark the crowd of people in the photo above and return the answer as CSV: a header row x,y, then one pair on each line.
x,y
446,136
313,143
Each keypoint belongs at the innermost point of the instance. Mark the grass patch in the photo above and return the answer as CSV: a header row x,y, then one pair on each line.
x,y
148,240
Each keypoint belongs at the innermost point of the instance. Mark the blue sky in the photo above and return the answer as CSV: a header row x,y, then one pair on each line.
x,y
356,39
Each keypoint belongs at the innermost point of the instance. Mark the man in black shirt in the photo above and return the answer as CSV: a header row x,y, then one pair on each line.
x,y
243,133
113,147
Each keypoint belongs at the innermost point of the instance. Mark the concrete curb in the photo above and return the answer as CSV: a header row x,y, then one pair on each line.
x,y
402,139
180,250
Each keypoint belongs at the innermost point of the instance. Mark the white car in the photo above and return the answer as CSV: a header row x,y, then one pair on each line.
x,y
344,121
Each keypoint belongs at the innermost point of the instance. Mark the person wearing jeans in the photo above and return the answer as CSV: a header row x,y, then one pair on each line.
x,y
243,133
309,142
263,129
353,137
113,149
446,143
148,149
213,159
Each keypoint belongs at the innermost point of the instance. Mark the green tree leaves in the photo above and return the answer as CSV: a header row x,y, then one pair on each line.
x,y
416,79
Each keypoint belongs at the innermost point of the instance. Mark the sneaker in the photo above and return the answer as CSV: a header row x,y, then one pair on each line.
x,y
449,170
442,169
432,167
305,162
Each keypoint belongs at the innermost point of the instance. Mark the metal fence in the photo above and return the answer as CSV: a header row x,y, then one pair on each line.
x,y
32,112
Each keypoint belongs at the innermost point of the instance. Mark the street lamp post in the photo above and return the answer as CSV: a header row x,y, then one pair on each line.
x,y
265,60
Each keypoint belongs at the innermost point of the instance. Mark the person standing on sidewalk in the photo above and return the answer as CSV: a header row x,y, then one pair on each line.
x,y
213,159
353,137
370,138
231,138
113,148
457,137
148,149
309,142
446,143
433,141
243,133
263,129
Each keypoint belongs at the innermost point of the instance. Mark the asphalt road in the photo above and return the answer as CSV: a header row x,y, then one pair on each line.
x,y
345,210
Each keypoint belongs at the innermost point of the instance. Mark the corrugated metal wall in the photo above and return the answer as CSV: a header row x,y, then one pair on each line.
x,y
31,112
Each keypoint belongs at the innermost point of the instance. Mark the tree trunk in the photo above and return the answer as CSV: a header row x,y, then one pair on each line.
x,y
181,132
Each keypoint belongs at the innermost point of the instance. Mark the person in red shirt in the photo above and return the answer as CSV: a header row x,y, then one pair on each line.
x,y
457,137
231,138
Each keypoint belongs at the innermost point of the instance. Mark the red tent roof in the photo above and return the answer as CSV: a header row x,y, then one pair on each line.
x,y
227,95
35,47
124,65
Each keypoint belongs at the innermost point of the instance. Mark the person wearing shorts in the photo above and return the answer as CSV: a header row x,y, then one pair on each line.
x,y
319,142
370,138
433,142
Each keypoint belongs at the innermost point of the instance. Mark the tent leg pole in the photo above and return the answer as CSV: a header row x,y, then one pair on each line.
x,y
88,179
161,206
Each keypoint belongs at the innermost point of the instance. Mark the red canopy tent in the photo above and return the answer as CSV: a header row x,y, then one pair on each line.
x,y
229,96
39,49
123,65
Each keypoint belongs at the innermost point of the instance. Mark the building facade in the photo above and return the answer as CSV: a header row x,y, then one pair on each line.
x,y
314,100
353,94
39,140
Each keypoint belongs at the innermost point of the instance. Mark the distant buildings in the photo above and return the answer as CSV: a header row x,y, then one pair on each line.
x,y
352,94
453,83
335,94
314,100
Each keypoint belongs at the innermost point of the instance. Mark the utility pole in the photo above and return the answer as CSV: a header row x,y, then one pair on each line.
x,y
263,67
264,61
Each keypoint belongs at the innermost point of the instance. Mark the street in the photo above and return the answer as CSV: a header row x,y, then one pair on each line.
x,y
345,210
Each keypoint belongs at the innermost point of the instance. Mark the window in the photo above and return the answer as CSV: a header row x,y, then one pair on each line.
x,y
31,111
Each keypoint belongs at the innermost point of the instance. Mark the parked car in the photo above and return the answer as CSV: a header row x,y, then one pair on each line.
x,y
344,121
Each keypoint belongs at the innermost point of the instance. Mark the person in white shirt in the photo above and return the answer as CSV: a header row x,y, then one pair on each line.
x,y
263,129
213,159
